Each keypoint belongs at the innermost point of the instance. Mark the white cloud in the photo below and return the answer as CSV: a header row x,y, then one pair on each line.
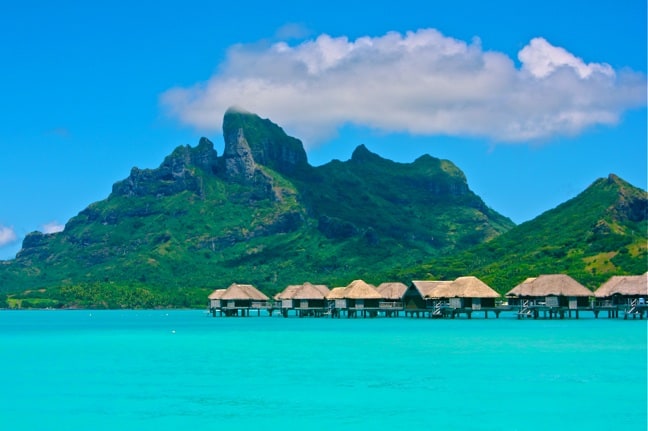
x,y
541,58
422,83
53,227
7,235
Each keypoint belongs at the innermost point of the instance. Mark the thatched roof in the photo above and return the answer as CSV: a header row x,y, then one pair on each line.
x,y
359,289
550,285
462,287
216,294
431,288
391,290
471,287
440,289
288,292
311,291
336,293
243,292
525,286
628,285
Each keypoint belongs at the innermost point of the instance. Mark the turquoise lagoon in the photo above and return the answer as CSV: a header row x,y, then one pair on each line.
x,y
184,370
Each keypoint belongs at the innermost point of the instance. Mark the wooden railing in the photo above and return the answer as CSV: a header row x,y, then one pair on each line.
x,y
390,305
603,303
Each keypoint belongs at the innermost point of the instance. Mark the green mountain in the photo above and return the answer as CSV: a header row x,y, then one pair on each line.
x,y
601,232
260,214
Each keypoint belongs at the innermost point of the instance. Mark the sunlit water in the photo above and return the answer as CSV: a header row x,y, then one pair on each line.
x,y
183,370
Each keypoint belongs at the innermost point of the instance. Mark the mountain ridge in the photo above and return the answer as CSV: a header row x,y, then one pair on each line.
x,y
603,231
259,213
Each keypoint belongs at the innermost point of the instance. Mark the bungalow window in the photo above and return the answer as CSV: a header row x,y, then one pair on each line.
x,y
552,301
456,303
476,304
573,303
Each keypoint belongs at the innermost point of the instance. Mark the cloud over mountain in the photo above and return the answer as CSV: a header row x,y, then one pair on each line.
x,y
7,235
422,82
53,227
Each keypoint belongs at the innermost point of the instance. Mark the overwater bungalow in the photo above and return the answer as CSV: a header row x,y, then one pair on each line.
x,y
462,296
336,301
549,295
627,293
359,298
392,297
419,298
305,299
239,299
215,300
554,294
283,301
471,293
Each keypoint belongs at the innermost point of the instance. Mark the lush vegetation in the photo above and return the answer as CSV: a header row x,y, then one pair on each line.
x,y
600,233
167,237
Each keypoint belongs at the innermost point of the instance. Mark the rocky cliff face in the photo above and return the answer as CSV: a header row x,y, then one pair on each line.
x,y
241,167
268,144
237,158
175,174
251,143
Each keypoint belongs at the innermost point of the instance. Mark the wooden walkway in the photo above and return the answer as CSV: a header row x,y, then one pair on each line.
x,y
389,311
634,309
536,311
523,311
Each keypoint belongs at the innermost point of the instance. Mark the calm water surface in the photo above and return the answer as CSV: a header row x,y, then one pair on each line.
x,y
182,370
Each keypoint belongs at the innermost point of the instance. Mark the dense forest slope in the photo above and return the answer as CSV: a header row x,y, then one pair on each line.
x,y
260,214
601,232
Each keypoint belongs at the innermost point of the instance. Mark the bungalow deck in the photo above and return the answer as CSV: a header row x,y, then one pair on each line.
x,y
299,311
551,307
450,312
240,310
397,309
536,309
384,309
633,308
526,309
355,311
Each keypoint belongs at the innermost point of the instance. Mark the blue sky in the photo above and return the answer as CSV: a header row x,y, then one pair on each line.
x,y
533,101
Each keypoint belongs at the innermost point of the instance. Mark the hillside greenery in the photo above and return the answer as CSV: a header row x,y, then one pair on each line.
x,y
167,237
599,233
